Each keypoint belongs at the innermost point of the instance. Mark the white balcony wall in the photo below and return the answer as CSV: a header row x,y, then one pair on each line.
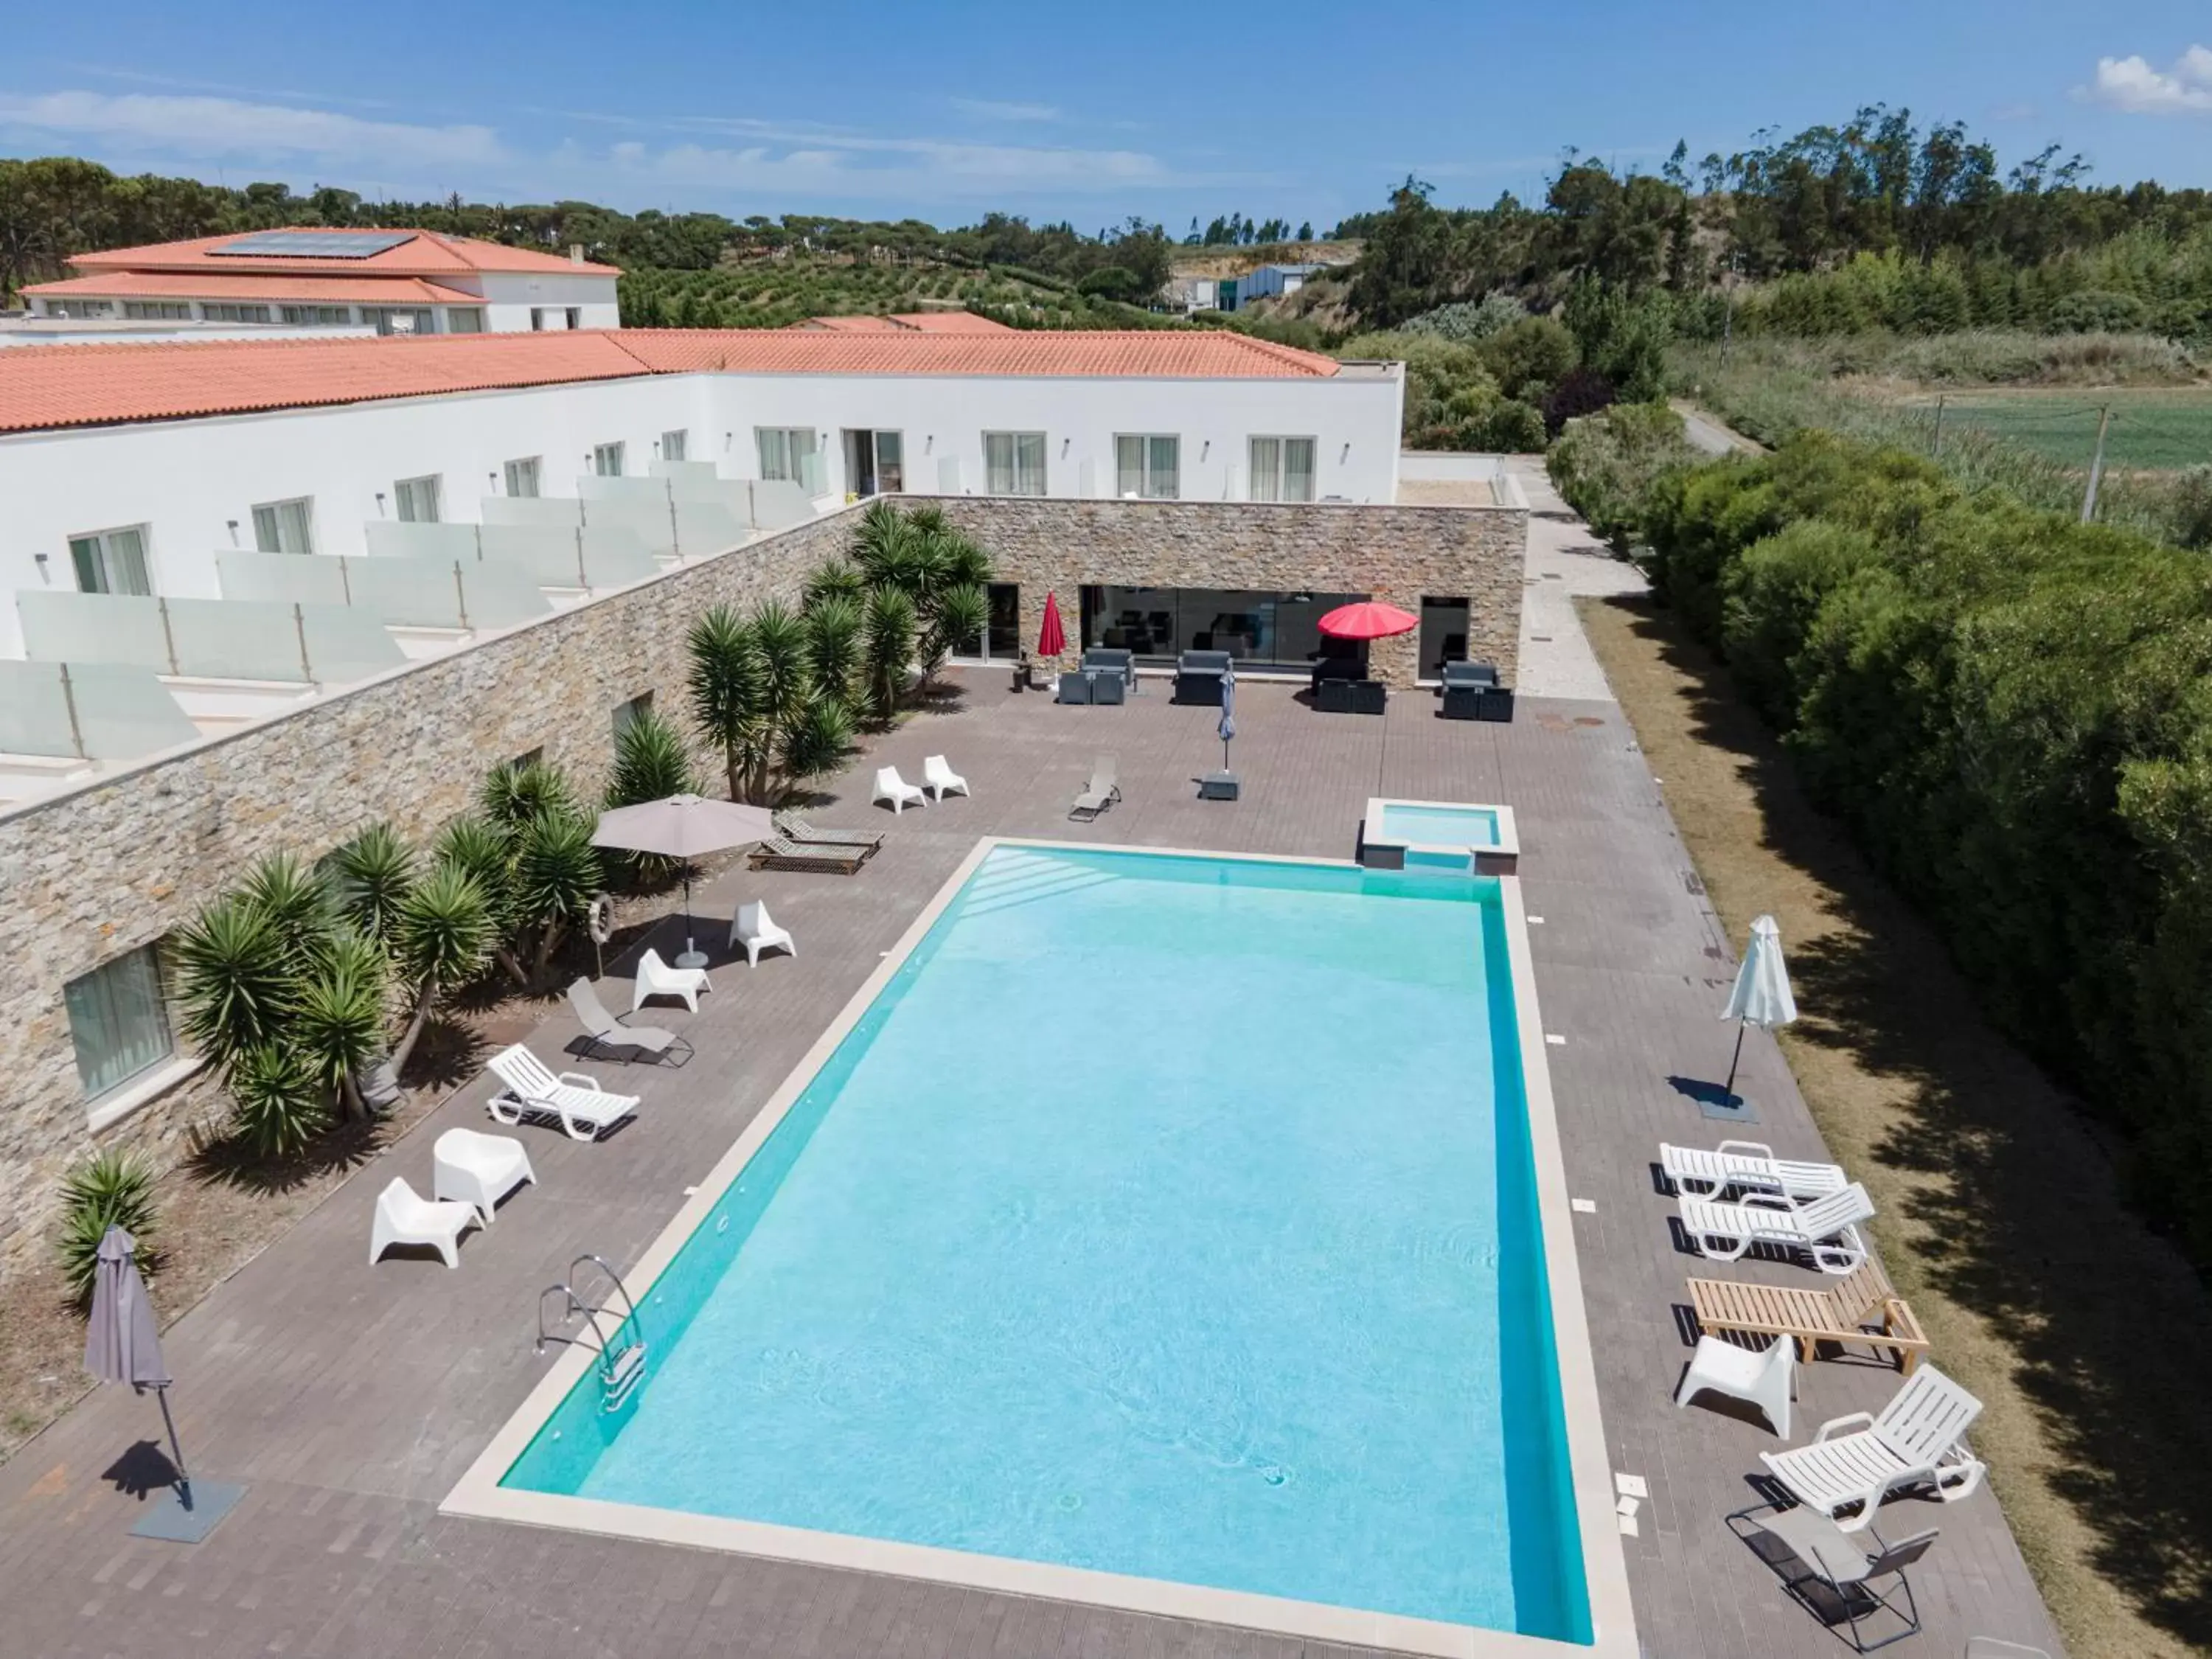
x,y
509,297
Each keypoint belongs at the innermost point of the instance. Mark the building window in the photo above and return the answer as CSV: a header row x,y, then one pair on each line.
x,y
788,452
112,560
316,316
400,319
528,757
628,714
575,317
78,308
464,320
1013,462
211,312
1282,469
1148,467
607,460
416,500
119,1021
537,319
522,476
285,526
158,311
674,445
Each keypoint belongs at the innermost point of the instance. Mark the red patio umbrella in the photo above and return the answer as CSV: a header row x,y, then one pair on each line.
x,y
1367,620
1052,640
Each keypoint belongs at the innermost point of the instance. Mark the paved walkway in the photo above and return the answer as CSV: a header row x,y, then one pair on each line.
x,y
350,1397
1565,562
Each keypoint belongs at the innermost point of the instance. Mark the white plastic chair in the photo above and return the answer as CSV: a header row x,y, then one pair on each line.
x,y
755,929
403,1216
477,1169
655,978
1919,1439
937,775
1765,1378
1826,1230
1748,1166
584,1109
890,786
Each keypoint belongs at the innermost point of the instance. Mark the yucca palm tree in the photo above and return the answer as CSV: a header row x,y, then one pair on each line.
x,y
556,875
651,763
515,792
370,878
838,579
881,529
295,904
818,743
279,1104
235,980
956,621
475,847
726,684
336,1023
834,629
444,938
887,650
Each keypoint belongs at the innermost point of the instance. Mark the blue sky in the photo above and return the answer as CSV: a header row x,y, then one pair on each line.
x,y
1308,111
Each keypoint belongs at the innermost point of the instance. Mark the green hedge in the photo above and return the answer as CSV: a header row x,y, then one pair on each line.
x,y
2013,712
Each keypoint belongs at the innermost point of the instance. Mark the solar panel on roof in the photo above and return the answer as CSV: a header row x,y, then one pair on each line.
x,y
316,244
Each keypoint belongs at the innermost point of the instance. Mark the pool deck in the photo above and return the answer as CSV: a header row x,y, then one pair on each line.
x,y
352,1399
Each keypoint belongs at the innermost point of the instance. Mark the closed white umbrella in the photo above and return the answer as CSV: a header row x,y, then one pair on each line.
x,y
684,827
1761,995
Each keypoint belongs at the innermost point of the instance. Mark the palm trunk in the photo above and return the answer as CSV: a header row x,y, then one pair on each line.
x,y
423,1003
356,1109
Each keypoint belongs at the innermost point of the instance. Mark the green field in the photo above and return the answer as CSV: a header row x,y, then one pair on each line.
x,y
2151,430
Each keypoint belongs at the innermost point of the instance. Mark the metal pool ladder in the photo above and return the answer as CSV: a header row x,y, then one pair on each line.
x,y
621,1349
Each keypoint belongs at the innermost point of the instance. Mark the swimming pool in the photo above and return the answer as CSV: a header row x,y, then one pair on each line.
x,y
1163,1223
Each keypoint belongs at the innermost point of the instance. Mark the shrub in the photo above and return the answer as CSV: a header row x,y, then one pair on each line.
x,y
2190,506
1511,427
1604,465
1470,319
111,1188
2095,313
1773,592
1529,357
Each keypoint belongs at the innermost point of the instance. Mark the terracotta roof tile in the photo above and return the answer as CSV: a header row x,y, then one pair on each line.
x,y
904,322
427,254
235,286
60,385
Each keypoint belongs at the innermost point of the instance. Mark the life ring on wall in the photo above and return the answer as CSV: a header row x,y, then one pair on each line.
x,y
600,919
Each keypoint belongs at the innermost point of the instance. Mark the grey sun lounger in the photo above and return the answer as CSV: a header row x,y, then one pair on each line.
x,y
1100,794
776,853
797,829
607,1032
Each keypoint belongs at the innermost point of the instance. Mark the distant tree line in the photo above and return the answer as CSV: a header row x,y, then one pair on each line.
x,y
1877,223
53,207
1235,230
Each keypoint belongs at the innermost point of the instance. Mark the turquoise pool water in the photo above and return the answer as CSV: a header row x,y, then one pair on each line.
x,y
1437,826
1163,1216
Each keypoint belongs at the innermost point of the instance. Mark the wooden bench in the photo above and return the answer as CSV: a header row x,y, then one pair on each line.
x,y
1862,1308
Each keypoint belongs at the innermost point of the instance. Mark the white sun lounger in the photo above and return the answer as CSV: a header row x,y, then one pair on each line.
x,y
1748,1166
1101,793
1856,1460
655,978
403,1216
1826,1229
890,786
585,1110
937,775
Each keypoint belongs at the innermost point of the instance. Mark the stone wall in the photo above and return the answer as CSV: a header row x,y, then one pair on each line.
x,y
87,876
1395,553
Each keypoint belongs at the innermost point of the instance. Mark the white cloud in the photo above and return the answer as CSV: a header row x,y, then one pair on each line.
x,y
215,128
2133,87
707,160
992,109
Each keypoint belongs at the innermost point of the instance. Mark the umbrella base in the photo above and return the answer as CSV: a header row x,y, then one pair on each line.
x,y
691,959
1218,786
168,1518
1728,1109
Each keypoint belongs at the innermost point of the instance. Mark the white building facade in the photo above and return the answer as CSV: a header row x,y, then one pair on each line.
x,y
146,505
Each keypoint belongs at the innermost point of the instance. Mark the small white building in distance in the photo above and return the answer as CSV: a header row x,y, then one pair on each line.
x,y
391,282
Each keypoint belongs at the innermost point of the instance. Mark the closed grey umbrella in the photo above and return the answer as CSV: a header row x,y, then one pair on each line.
x,y
122,1344
1228,713
684,827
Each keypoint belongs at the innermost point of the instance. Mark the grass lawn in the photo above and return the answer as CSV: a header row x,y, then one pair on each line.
x,y
2000,1218
2153,430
